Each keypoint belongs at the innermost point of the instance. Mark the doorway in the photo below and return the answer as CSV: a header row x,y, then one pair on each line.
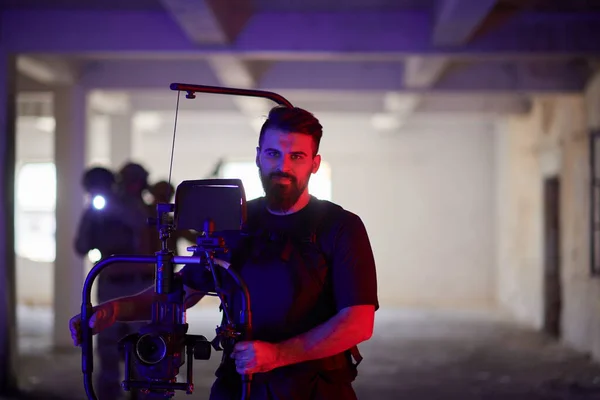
x,y
552,270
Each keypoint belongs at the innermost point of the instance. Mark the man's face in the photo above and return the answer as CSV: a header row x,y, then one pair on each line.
x,y
285,162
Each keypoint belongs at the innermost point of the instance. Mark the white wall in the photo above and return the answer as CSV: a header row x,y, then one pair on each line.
x,y
552,140
425,194
426,198
581,320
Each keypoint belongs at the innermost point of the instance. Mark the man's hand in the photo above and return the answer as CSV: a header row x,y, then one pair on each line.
x,y
255,356
102,318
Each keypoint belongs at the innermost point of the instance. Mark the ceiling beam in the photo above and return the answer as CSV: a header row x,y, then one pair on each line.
x,y
130,74
457,20
530,77
491,77
422,72
502,12
210,21
484,77
279,35
340,103
46,70
334,76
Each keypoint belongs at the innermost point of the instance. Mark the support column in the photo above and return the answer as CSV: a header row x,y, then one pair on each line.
x,y
70,107
8,337
592,99
120,140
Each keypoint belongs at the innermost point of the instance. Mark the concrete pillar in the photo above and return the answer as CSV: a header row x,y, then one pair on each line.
x,y
592,97
69,152
8,337
120,140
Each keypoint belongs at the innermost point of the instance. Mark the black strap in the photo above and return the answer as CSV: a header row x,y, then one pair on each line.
x,y
356,355
318,223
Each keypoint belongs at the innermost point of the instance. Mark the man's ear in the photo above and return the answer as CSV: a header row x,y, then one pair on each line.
x,y
257,157
316,163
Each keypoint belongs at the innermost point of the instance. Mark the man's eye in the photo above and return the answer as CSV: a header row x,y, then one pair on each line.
x,y
296,157
272,153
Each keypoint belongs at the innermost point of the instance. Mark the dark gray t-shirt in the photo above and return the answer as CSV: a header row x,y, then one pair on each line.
x,y
293,293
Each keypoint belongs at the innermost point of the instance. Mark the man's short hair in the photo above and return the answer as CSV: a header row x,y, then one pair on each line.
x,y
293,120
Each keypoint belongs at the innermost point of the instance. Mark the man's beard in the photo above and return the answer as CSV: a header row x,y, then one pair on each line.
x,y
280,197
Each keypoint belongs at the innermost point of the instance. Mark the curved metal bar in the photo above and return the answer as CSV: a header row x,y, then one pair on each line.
x,y
277,98
87,343
87,360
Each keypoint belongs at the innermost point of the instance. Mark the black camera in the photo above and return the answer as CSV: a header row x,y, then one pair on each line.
x,y
156,353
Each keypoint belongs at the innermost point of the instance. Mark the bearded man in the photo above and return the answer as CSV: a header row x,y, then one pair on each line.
x,y
310,273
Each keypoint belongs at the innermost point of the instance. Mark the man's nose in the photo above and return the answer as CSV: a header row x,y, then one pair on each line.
x,y
285,164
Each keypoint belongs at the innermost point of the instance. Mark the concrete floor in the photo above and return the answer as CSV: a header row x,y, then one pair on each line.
x,y
413,355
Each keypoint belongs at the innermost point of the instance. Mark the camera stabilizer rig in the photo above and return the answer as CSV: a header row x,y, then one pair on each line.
x,y
160,349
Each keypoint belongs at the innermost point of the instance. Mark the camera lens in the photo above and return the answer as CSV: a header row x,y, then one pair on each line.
x,y
151,348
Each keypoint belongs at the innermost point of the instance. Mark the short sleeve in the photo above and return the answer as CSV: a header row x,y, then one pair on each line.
x,y
354,274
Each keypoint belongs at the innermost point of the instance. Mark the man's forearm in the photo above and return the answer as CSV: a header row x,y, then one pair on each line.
x,y
139,306
133,308
346,329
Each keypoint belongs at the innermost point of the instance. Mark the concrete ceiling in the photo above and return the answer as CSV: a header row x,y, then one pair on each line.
x,y
259,5
561,6
115,5
394,59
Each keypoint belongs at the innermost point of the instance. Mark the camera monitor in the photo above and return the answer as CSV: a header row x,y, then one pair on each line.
x,y
221,200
